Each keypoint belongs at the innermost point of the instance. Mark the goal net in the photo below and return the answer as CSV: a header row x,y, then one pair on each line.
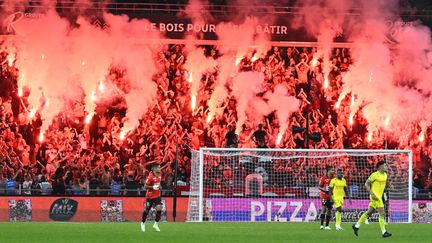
x,y
283,184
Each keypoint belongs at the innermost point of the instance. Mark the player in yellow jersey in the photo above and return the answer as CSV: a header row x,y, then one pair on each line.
x,y
375,185
338,189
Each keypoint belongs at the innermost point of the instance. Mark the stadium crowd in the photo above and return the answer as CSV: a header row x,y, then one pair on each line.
x,y
78,158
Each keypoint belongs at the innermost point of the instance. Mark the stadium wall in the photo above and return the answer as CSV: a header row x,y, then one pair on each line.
x,y
120,209
83,209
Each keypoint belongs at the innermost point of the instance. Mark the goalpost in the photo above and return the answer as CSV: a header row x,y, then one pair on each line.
x,y
247,185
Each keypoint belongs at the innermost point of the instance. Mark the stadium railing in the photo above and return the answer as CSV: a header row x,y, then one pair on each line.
x,y
89,192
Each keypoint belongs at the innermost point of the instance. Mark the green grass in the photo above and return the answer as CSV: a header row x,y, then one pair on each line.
x,y
207,232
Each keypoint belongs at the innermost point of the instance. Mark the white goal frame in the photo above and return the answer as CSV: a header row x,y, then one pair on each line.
x,y
372,151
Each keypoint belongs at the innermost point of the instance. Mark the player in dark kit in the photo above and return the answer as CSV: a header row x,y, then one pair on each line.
x,y
153,197
327,204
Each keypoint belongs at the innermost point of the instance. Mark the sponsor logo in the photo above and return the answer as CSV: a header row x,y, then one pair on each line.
x,y
63,209
20,210
111,210
352,215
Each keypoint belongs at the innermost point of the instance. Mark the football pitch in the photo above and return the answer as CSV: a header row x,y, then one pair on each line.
x,y
207,232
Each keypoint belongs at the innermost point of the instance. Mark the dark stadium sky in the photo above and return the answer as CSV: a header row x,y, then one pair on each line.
x,y
411,9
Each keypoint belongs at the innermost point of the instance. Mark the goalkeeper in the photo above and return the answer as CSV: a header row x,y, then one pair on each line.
x,y
337,190
375,185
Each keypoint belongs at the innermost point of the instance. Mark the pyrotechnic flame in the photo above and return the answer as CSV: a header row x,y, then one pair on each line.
x,y
193,102
314,62
83,63
338,104
89,117
43,56
101,86
254,57
47,102
369,137
11,59
387,121
422,137
326,82
209,118
351,120
238,60
93,96
352,101
122,135
279,138
190,77
41,137
32,113
21,85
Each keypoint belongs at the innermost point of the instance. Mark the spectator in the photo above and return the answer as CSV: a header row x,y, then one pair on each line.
x,y
59,186
77,189
94,131
260,137
94,185
26,186
11,185
84,185
116,186
44,186
132,186
231,139
105,180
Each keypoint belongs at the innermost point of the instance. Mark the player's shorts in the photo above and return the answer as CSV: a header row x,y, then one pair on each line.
x,y
338,202
376,203
326,203
152,202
